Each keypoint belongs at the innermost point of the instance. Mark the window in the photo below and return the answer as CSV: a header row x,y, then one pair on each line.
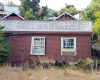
x,y
38,46
68,45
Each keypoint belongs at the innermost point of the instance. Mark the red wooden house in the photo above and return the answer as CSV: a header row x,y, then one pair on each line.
x,y
12,16
66,16
61,40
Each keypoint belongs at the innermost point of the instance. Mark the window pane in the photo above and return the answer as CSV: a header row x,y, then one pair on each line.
x,y
72,44
72,47
69,40
68,43
72,40
68,47
38,46
63,40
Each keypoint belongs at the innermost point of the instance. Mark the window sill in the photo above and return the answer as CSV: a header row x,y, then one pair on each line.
x,y
37,54
68,55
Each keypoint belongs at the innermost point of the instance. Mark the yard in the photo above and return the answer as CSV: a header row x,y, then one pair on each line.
x,y
70,73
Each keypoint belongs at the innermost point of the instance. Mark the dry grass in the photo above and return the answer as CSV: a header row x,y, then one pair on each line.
x,y
8,73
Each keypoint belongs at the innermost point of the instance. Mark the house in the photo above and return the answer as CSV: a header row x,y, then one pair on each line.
x,y
7,9
60,40
65,16
12,16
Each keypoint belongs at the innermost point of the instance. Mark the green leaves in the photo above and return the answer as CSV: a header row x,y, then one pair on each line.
x,y
29,8
96,26
4,48
89,14
85,64
92,12
1,3
70,9
29,15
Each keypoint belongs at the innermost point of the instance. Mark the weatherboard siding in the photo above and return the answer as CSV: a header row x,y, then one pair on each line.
x,y
53,47
13,18
65,18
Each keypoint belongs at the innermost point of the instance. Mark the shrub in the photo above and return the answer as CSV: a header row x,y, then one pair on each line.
x,y
61,64
85,64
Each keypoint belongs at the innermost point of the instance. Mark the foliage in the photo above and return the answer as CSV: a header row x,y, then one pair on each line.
x,y
89,14
95,5
4,48
28,5
1,3
61,65
55,13
92,12
96,26
98,62
95,37
29,15
52,14
62,10
85,64
11,3
22,11
43,12
70,9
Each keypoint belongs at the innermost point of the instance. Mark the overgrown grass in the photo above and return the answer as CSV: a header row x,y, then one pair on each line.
x,y
8,73
48,70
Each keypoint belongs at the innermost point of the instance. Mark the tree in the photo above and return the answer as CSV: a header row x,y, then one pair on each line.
x,y
11,3
29,14
70,9
54,13
1,3
42,12
22,11
89,14
95,5
26,5
96,26
62,10
4,48
92,12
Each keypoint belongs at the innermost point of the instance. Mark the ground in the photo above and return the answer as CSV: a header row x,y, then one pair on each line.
x,y
8,73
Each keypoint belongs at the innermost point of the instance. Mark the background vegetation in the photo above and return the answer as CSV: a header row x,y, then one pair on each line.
x,y
4,48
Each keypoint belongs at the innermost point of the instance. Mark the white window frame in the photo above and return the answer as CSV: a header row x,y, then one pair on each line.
x,y
32,46
74,44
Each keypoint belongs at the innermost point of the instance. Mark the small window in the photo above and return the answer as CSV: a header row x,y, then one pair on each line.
x,y
38,46
68,46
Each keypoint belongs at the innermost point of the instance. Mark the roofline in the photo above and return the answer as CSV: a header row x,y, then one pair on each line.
x,y
12,13
11,5
64,14
48,20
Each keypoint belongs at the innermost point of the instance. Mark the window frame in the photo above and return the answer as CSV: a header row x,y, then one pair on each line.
x,y
32,46
74,45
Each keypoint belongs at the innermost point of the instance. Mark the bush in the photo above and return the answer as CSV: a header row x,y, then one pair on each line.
x,y
85,64
62,64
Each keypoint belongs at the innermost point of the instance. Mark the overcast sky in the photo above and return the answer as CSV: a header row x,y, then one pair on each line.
x,y
58,4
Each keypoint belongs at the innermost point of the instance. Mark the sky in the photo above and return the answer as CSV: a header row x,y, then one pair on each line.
x,y
58,4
